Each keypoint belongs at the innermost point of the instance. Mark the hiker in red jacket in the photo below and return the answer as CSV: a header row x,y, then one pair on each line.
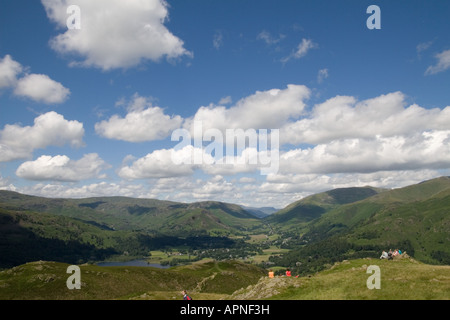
x,y
288,273
186,296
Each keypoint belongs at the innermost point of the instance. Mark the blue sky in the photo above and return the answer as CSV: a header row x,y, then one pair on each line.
x,y
90,112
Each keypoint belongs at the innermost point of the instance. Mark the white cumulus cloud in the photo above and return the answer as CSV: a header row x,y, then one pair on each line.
x,y
49,129
343,117
262,110
422,150
343,135
9,70
37,87
62,168
40,88
115,33
70,190
143,122
160,164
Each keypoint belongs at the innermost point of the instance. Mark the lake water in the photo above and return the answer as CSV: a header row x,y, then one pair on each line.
x,y
133,263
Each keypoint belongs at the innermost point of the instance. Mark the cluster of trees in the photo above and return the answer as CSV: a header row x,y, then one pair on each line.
x,y
243,252
217,248
29,247
441,256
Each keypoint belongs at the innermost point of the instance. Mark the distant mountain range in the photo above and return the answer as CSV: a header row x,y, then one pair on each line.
x,y
260,212
146,215
337,223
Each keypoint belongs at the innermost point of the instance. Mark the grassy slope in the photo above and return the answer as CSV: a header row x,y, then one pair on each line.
x,y
350,206
302,212
404,279
400,280
47,280
350,213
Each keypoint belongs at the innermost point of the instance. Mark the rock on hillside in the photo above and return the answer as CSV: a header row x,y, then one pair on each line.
x,y
265,288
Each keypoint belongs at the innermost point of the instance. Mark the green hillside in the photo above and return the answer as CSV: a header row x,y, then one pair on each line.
x,y
404,279
418,214
26,236
300,213
414,219
31,236
146,215
47,280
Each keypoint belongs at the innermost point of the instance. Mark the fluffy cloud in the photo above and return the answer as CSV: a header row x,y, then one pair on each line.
x,y
287,188
169,163
102,189
278,190
37,87
442,64
184,189
342,135
160,164
9,70
49,129
343,117
419,151
189,189
342,142
62,168
115,33
6,185
142,123
379,134
263,110
41,88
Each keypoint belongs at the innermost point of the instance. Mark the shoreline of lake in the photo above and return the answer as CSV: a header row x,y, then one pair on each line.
x,y
132,263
